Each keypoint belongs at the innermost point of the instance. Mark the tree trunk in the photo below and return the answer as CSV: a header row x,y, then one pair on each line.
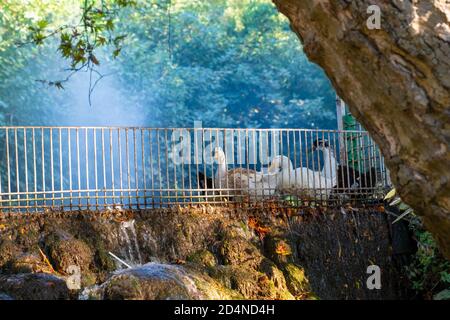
x,y
396,81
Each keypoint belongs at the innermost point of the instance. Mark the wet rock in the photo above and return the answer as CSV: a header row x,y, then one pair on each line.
x,y
170,235
125,287
250,283
155,281
4,296
94,292
34,286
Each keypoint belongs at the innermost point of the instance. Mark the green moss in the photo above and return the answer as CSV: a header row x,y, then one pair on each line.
x,y
213,290
105,262
296,279
239,279
88,279
123,287
239,251
282,294
204,258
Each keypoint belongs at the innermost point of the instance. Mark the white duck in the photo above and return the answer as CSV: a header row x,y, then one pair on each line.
x,y
303,179
245,182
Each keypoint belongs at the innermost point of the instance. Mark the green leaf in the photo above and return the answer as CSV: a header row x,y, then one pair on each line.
x,y
101,40
38,38
445,276
116,52
65,49
443,295
109,25
65,37
118,39
42,24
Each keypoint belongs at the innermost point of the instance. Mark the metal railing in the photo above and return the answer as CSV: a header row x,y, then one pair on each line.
x,y
100,167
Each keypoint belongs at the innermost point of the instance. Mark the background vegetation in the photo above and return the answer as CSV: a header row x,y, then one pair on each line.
x,y
227,63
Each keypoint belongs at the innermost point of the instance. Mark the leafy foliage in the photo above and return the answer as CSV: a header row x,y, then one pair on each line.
x,y
21,96
226,63
397,202
429,271
80,41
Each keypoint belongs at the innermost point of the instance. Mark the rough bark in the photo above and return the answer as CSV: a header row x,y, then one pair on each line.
x,y
396,81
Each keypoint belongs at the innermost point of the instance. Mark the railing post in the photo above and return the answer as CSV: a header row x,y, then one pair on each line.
x,y
340,112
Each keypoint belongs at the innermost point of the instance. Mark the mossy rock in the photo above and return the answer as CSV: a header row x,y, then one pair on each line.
x,y
104,261
34,286
64,253
152,282
8,250
268,289
296,280
88,279
278,288
238,251
240,279
278,249
204,258
123,287
133,287
29,263
212,289
249,283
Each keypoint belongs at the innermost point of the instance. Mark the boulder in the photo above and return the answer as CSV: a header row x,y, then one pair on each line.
x,y
34,286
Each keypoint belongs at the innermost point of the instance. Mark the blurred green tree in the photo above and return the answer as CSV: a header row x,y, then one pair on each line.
x,y
226,63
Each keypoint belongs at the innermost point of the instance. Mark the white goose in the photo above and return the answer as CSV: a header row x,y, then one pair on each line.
x,y
246,182
312,183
